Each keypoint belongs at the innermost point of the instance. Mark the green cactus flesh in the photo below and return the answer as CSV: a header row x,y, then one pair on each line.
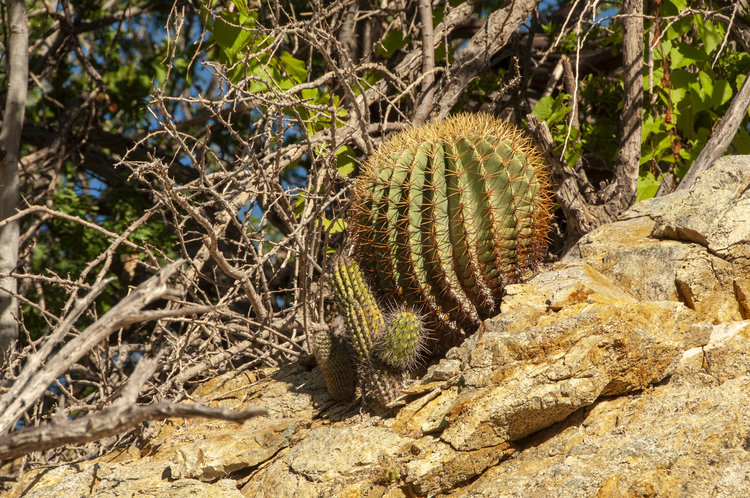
x,y
401,342
336,365
446,215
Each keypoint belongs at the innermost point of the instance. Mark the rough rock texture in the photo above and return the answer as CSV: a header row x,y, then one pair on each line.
x,y
624,370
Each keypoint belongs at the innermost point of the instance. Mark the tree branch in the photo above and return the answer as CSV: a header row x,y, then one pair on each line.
x,y
10,142
629,154
40,377
477,55
428,63
120,417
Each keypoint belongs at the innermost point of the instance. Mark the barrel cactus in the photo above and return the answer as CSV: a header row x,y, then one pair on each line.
x,y
443,217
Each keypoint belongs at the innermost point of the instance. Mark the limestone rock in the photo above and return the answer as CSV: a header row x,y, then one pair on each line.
x,y
687,437
102,479
714,213
692,247
624,370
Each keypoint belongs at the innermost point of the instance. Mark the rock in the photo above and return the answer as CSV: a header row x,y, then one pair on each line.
x,y
103,479
330,460
686,437
521,378
714,214
623,370
706,255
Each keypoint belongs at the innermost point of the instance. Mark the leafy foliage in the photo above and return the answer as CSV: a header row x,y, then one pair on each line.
x,y
689,81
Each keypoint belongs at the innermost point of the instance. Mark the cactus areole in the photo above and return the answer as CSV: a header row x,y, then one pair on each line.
x,y
445,215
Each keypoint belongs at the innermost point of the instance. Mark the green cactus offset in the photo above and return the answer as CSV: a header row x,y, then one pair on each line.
x,y
365,326
443,217
402,342
336,365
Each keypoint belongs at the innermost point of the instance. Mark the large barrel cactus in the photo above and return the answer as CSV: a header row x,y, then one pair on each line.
x,y
445,215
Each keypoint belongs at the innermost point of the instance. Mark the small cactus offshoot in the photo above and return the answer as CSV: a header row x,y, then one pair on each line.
x,y
365,326
403,340
336,365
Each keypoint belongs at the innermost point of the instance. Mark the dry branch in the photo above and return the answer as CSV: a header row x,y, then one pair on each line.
x,y
629,153
123,415
476,56
40,377
428,62
17,55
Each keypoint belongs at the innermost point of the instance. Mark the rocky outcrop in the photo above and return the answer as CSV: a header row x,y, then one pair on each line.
x,y
624,370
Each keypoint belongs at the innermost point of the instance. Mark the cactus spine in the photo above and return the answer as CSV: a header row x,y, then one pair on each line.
x,y
445,215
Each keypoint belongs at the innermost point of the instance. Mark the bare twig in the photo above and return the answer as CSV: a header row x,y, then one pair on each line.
x,y
428,62
22,395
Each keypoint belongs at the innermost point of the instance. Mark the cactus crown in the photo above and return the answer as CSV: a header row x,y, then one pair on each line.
x,y
445,215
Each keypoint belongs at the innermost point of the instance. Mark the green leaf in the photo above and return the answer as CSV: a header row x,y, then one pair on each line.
x,y
673,7
310,94
552,110
345,160
698,98
652,124
681,81
721,93
544,107
293,67
741,142
440,53
709,33
680,27
241,6
233,32
160,71
740,81
334,226
706,84
392,42
683,54
371,77
299,205
647,186
559,114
